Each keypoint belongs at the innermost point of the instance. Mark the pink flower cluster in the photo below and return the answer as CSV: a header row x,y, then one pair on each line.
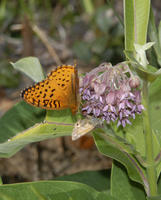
x,y
111,94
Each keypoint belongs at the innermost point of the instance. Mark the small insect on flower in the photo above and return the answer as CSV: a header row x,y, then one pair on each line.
x,y
84,126
111,93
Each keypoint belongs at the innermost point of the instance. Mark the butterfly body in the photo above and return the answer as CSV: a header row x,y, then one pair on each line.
x,y
58,91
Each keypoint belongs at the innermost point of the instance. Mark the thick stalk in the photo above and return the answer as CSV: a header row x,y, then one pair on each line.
x,y
151,170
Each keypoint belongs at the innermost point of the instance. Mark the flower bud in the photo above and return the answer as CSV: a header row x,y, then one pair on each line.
x,y
134,82
99,88
110,98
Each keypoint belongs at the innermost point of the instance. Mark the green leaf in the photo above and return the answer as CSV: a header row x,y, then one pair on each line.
x,y
89,178
155,36
155,112
136,15
36,133
122,187
154,198
155,104
64,116
8,76
31,67
110,148
159,186
50,190
18,129
105,196
19,118
135,136
150,73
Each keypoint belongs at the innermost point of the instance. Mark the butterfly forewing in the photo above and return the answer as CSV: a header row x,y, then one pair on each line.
x,y
74,91
57,91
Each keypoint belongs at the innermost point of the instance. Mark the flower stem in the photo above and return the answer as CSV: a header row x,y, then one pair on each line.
x,y
1,182
151,170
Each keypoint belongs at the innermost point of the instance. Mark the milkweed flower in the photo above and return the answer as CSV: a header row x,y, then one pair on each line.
x,y
111,94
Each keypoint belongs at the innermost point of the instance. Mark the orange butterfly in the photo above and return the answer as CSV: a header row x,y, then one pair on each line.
x,y
58,91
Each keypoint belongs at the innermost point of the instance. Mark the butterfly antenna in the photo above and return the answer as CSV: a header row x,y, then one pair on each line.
x,y
75,63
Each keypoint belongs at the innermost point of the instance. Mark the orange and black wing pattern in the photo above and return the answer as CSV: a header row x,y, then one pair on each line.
x,y
58,91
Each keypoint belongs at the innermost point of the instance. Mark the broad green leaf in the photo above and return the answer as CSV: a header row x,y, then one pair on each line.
x,y
136,16
31,67
155,112
122,187
118,152
155,104
154,198
105,196
36,133
18,129
90,177
49,190
135,135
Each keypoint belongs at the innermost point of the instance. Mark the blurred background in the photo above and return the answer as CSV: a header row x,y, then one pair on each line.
x,y
57,32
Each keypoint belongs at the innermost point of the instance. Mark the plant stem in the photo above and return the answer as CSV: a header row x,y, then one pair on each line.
x,y
89,7
151,170
1,182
